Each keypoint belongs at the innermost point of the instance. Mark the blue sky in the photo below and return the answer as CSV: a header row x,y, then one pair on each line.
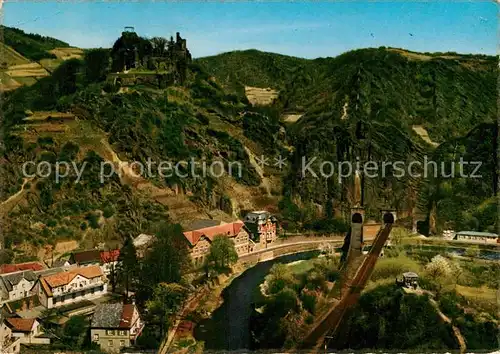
x,y
304,29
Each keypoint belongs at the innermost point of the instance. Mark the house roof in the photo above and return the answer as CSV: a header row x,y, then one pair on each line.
x,y
230,229
476,233
202,224
11,279
259,216
10,268
127,314
110,256
54,270
20,324
83,257
64,277
59,263
410,275
113,316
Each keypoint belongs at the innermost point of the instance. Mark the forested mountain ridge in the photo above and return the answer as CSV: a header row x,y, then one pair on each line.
x,y
112,124
30,45
367,104
362,104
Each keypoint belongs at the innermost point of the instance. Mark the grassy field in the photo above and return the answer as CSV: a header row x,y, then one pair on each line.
x,y
26,81
50,64
7,83
300,267
483,293
67,53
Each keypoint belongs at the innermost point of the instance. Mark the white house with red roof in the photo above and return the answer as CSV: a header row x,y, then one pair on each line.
x,y
28,330
109,260
200,240
70,285
8,343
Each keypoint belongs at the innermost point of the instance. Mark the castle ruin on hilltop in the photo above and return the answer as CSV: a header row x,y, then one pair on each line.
x,y
168,59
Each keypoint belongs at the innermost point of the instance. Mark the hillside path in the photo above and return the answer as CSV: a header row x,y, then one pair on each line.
x,y
12,201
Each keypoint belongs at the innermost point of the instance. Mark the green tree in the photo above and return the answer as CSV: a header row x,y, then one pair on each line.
x,y
166,300
159,46
280,276
166,261
222,253
75,331
439,271
96,64
66,77
127,265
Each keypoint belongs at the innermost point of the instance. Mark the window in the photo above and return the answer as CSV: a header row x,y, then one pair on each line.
x,y
110,333
122,343
110,343
96,337
122,333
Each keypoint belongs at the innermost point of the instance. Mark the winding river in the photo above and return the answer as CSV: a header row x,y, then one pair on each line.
x,y
228,327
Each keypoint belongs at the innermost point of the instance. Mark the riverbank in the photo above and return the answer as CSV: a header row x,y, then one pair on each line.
x,y
205,301
228,328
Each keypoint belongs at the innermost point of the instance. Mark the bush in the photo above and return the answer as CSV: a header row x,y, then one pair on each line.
x,y
308,301
51,223
390,268
69,151
280,277
109,87
448,304
93,220
108,211
388,318
329,225
96,64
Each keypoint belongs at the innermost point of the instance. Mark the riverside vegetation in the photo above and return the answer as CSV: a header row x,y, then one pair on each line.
x,y
386,317
384,91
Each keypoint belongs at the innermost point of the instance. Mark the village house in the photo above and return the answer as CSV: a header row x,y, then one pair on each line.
x,y
28,330
15,286
60,263
71,285
202,224
485,237
115,326
109,261
262,226
201,239
8,343
85,258
11,268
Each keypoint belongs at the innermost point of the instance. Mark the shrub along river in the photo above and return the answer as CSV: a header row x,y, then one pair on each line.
x,y
229,326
